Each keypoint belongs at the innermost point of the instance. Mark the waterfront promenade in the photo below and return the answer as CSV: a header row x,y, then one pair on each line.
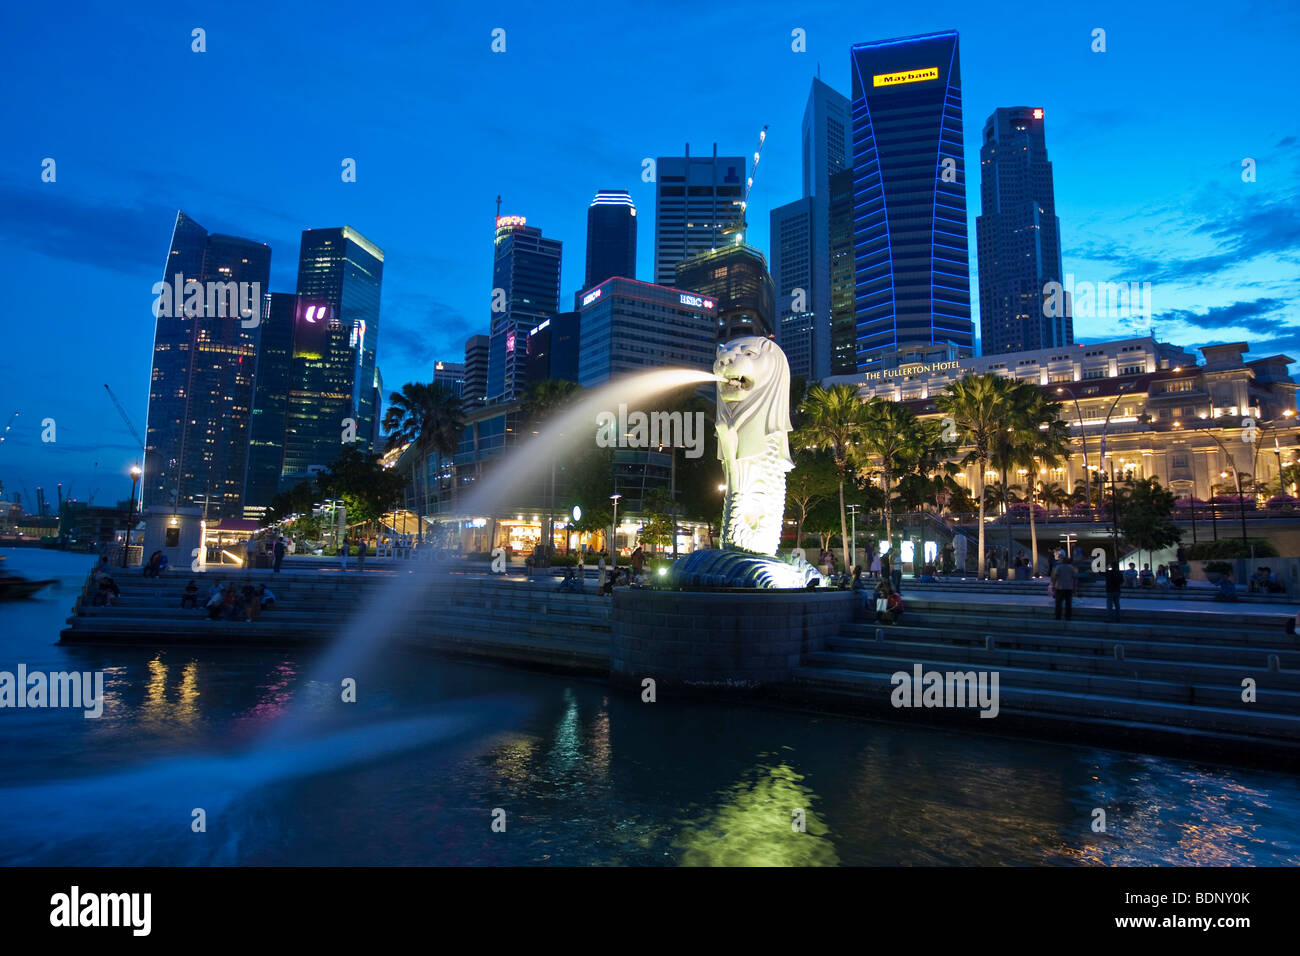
x,y
1179,672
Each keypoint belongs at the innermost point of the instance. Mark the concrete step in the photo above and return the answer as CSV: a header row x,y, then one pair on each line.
x,y
1271,696
1014,698
1083,644
1177,670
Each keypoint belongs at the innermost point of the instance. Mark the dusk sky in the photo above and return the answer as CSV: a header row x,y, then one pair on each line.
x,y
1147,141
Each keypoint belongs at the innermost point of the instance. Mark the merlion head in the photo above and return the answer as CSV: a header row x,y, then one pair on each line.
x,y
753,393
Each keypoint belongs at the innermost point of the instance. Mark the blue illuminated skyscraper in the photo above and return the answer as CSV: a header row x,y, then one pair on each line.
x,y
912,272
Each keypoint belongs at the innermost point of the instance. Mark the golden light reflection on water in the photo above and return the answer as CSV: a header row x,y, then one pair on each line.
x,y
156,709
752,825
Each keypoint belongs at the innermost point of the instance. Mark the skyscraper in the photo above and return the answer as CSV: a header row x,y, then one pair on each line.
x,y
909,203
611,237
792,238
476,369
631,326
201,386
332,399
844,358
525,290
1018,236
450,376
697,198
270,401
737,277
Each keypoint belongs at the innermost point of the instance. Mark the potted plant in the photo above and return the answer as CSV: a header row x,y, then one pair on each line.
x,y
1214,570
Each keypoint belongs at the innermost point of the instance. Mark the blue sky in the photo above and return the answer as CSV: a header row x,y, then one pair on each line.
x,y
1147,141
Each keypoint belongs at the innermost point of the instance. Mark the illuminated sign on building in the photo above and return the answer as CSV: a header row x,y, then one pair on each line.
x,y
504,222
696,301
314,314
544,325
510,342
907,76
1038,113
914,369
591,297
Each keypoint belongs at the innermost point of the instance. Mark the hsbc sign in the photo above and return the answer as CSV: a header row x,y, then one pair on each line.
x,y
696,301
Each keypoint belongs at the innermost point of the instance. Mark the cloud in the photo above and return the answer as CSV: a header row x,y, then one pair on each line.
x,y
1236,315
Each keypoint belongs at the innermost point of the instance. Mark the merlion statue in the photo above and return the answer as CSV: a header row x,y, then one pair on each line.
x,y
754,447
753,441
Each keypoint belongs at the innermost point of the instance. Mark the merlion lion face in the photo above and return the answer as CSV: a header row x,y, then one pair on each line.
x,y
742,363
753,391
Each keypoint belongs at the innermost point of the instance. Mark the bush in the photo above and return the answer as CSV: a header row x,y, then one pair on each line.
x,y
1218,567
1229,548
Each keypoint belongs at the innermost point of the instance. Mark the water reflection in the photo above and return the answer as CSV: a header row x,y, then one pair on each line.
x,y
753,825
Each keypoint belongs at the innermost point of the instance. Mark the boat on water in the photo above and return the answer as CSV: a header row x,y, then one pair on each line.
x,y
15,587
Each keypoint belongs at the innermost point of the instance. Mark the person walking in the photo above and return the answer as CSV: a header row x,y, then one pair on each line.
x,y
362,548
1114,586
252,554
344,550
278,552
875,566
638,560
1063,579
600,568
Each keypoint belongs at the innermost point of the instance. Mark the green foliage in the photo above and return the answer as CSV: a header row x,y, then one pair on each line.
x,y
1145,519
297,500
1218,567
367,488
1230,548
659,518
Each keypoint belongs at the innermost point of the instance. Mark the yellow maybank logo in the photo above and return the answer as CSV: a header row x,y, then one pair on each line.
x,y
907,76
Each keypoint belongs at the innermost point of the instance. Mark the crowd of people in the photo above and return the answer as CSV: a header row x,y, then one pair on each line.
x,y
231,602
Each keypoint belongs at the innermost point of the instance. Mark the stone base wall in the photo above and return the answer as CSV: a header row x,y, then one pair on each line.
x,y
736,638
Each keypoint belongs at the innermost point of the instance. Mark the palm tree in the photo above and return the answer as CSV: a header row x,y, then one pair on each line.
x,y
430,418
1041,439
977,405
833,420
891,433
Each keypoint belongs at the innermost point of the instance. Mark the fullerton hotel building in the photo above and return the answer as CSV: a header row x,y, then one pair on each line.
x,y
1134,406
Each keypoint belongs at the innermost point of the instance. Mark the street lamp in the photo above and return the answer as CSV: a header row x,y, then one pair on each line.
x,y
613,535
853,535
1083,438
130,513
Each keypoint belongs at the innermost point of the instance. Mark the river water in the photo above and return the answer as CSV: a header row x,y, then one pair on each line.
x,y
440,762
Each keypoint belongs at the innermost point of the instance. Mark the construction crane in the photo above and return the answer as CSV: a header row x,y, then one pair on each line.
x,y
139,442
738,226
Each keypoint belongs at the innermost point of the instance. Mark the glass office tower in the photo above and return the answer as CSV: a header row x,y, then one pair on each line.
x,y
611,237
1018,236
201,382
332,395
526,268
912,274
270,402
697,200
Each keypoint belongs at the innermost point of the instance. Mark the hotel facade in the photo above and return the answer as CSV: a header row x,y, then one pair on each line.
x,y
1134,406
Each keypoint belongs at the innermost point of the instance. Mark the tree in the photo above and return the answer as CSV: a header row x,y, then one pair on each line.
x,y
429,418
367,488
977,405
298,500
1038,438
812,481
660,523
833,421
1146,519
890,435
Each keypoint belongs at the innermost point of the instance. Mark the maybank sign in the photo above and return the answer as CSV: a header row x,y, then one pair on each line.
x,y
907,76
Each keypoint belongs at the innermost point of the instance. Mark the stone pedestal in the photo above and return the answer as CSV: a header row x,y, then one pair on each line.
x,y
721,638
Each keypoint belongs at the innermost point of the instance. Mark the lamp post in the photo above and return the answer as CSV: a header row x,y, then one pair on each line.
x,y
1083,438
853,534
1114,516
130,513
613,531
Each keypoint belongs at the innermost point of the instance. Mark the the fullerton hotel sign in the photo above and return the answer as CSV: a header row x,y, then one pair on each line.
x,y
904,371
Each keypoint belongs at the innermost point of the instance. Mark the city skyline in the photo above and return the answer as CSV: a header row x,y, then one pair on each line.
x,y
440,285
